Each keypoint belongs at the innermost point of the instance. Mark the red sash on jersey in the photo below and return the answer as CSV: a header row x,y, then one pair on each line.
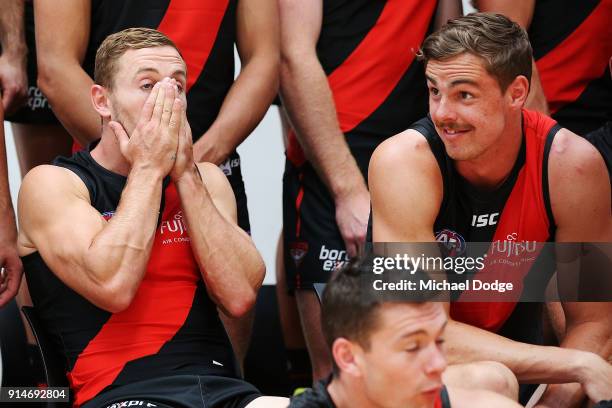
x,y
524,218
158,311
370,73
581,58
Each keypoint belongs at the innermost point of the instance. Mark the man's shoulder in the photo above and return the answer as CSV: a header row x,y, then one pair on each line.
x,y
47,178
316,397
402,149
571,154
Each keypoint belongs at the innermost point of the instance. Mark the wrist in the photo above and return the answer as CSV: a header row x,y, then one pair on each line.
x,y
147,171
17,53
190,177
581,365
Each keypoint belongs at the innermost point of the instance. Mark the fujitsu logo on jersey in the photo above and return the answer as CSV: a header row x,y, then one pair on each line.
x,y
484,220
177,224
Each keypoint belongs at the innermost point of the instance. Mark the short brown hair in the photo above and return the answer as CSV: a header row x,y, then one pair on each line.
x,y
115,45
501,43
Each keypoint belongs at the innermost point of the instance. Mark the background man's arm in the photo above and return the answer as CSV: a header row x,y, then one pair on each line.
x,y
446,10
255,87
9,260
309,103
13,77
62,36
580,199
521,12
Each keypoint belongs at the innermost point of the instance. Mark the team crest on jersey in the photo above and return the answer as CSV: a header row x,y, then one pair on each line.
x,y
107,215
452,241
298,251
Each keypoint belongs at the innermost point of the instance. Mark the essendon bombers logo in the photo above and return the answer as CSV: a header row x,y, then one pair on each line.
x,y
298,251
107,215
453,243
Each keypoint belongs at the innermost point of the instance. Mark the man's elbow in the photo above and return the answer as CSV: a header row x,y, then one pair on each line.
x,y
50,77
242,303
115,297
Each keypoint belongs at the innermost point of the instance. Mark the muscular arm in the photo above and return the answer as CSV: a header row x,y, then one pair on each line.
x,y
310,106
102,261
255,87
8,233
580,200
13,78
521,12
61,49
231,266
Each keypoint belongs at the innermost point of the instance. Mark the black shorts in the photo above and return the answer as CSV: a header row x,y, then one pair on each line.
x,y
37,111
313,244
179,391
232,170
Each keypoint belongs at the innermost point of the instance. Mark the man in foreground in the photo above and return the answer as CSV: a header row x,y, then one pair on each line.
x,y
481,157
131,246
387,351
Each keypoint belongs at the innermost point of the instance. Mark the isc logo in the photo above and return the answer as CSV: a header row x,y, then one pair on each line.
x,y
484,220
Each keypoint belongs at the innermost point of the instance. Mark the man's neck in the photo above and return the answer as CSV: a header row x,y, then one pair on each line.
x,y
493,167
108,154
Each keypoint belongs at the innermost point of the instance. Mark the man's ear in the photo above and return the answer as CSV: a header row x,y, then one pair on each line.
x,y
346,355
100,101
517,91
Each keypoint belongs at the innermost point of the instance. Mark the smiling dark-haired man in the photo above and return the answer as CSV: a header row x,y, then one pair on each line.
x,y
480,155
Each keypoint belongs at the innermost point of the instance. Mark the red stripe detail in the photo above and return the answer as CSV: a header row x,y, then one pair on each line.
x,y
193,25
371,72
295,154
582,57
298,206
367,77
524,218
158,311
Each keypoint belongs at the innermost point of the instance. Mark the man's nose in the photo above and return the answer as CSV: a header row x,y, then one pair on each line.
x,y
435,362
443,111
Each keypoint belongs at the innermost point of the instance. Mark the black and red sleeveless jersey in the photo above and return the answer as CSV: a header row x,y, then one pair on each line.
x,y
367,50
571,45
171,327
518,211
203,30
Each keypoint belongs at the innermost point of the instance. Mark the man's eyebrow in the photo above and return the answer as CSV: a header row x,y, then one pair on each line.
x,y
463,81
178,72
421,331
430,79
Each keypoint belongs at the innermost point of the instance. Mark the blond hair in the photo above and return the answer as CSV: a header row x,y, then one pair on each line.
x,y
115,45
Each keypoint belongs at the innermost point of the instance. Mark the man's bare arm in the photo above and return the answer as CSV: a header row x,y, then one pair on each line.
x,y
580,200
309,103
521,12
446,10
103,261
9,259
255,87
61,49
231,266
13,77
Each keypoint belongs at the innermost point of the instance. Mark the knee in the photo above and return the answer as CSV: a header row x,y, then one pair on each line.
x,y
496,377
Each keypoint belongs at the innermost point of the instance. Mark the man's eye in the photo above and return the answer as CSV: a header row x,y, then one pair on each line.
x,y
148,86
434,91
411,348
466,95
180,88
